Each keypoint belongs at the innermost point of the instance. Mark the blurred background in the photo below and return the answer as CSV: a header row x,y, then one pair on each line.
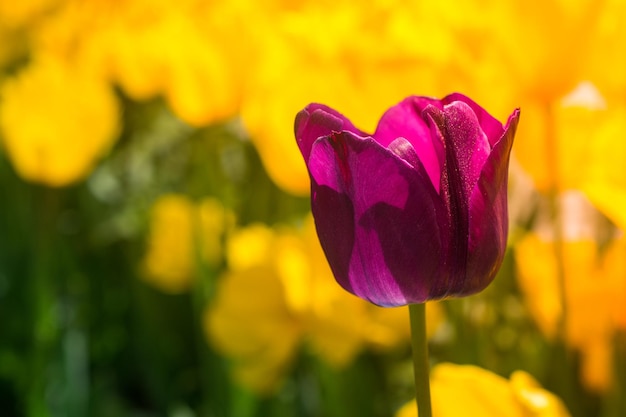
x,y
157,255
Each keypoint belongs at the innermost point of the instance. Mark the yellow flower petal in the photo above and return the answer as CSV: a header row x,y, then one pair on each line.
x,y
334,319
249,247
594,293
555,35
250,322
215,222
609,199
362,76
169,261
605,180
57,120
201,84
606,64
480,393
597,363
19,13
563,142
537,401
538,278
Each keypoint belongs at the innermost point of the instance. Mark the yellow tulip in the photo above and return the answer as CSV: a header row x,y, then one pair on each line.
x,y
556,35
278,293
363,75
14,14
605,181
594,295
458,390
606,63
57,120
181,51
181,235
561,141
169,261
251,323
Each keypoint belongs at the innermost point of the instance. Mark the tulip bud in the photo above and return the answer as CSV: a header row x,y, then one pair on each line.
x,y
418,210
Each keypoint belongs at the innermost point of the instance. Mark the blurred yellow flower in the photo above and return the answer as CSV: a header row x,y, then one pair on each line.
x,y
250,319
470,47
570,144
595,293
14,14
181,50
605,182
570,87
214,223
558,142
250,322
169,261
56,120
176,53
556,35
181,235
278,293
459,390
606,63
363,75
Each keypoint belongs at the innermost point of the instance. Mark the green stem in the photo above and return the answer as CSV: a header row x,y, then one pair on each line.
x,y
417,312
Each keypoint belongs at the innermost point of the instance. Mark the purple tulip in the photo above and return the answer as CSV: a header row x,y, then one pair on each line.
x,y
418,210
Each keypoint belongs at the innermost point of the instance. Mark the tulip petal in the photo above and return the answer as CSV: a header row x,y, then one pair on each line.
x,y
489,124
464,137
467,148
318,120
377,218
405,150
488,225
404,120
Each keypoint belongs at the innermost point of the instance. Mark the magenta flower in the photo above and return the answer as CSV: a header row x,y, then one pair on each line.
x,y
418,210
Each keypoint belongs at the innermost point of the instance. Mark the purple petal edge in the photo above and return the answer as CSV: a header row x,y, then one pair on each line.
x,y
367,203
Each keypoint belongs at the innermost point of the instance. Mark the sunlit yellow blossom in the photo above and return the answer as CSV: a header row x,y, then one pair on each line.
x,y
169,262
557,141
278,277
171,55
606,63
554,33
605,181
558,38
471,47
178,50
207,74
249,247
363,75
535,400
325,302
215,221
181,234
534,262
458,390
594,292
304,304
56,120
567,139
570,144
14,14
250,321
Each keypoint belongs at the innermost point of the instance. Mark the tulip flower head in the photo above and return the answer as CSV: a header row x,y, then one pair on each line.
x,y
418,210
